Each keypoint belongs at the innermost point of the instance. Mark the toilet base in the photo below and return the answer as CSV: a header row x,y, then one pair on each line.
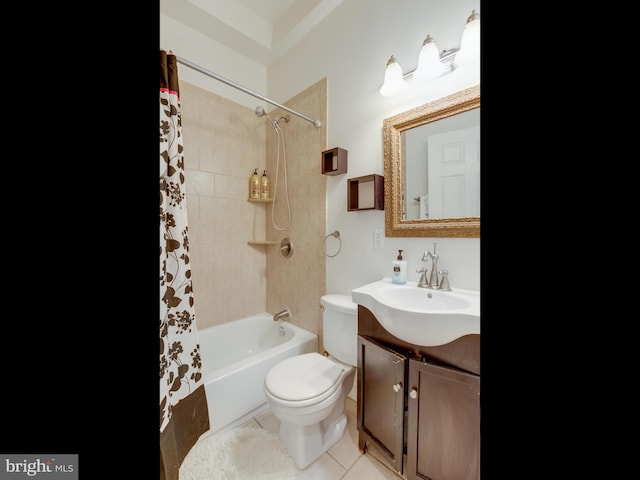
x,y
307,443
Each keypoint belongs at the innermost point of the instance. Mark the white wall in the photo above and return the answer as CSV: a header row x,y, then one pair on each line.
x,y
351,48
197,48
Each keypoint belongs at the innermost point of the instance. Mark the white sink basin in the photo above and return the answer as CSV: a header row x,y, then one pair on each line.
x,y
421,316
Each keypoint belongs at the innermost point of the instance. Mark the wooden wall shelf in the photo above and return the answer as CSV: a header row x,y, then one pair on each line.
x,y
365,193
334,161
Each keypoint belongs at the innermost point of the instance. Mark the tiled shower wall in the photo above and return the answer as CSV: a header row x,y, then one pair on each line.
x,y
223,143
298,282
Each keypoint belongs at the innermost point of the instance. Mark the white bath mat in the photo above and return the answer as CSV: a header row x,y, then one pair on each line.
x,y
242,453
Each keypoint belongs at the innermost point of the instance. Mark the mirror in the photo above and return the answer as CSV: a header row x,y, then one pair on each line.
x,y
400,134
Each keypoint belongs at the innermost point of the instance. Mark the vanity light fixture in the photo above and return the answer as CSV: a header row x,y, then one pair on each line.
x,y
431,64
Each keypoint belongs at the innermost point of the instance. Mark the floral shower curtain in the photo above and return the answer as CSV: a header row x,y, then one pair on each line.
x,y
183,403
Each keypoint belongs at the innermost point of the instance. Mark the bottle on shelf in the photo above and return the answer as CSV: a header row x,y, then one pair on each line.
x,y
264,186
254,185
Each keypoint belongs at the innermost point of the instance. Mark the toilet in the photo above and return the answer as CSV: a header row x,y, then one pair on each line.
x,y
308,392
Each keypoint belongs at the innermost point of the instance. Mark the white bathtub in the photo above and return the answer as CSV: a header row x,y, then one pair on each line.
x,y
236,358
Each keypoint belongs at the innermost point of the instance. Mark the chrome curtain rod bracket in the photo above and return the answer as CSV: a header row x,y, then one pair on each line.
x,y
222,79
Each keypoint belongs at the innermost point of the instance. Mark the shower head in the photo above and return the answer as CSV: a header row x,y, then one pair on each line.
x,y
259,111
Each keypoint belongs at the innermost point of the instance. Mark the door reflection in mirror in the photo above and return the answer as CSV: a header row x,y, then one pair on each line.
x,y
441,168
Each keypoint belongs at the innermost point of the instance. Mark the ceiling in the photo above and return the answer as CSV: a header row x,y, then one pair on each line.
x,y
261,30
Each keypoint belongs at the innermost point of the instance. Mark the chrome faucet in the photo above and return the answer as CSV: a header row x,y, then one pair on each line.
x,y
286,313
433,277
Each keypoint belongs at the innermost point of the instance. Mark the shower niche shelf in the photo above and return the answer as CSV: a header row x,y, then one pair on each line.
x,y
261,242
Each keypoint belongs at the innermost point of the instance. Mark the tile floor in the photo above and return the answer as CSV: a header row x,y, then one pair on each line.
x,y
343,461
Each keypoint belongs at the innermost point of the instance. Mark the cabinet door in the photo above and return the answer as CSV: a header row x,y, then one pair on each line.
x,y
443,435
381,390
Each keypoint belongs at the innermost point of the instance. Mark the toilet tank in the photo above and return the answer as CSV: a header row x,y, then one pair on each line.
x,y
340,327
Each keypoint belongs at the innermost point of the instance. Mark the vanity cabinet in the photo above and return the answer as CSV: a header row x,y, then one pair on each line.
x,y
443,437
419,407
382,375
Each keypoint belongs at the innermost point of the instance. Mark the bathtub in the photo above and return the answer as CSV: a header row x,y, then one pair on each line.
x,y
236,358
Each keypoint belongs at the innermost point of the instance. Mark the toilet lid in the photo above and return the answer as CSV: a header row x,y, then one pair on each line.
x,y
303,377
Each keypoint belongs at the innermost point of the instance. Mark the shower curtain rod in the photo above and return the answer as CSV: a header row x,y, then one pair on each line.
x,y
220,78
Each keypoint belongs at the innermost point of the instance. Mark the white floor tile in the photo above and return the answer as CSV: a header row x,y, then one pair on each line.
x,y
371,469
269,421
343,461
345,451
324,468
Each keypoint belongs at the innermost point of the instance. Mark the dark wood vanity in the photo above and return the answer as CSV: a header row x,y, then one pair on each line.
x,y
418,407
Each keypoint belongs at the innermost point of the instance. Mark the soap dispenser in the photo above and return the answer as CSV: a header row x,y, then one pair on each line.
x,y
399,270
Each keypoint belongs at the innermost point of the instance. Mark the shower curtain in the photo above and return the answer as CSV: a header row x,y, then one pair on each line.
x,y
183,403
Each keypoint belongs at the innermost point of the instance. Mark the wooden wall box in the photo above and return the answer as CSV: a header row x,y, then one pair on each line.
x,y
334,161
365,193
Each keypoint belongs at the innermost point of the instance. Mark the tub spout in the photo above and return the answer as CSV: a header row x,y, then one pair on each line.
x,y
286,313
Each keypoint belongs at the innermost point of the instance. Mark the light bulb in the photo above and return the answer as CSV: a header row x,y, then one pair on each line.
x,y
470,44
429,64
394,82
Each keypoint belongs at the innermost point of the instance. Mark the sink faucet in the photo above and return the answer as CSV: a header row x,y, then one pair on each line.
x,y
433,278
286,313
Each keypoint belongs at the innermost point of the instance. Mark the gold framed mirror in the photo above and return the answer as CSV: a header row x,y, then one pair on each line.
x,y
395,129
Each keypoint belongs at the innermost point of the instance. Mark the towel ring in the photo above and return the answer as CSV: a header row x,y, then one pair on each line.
x,y
334,234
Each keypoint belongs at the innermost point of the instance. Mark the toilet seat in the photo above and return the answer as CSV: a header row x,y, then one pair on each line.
x,y
304,379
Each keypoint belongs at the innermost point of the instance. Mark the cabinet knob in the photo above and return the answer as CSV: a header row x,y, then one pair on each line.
x,y
397,387
413,393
